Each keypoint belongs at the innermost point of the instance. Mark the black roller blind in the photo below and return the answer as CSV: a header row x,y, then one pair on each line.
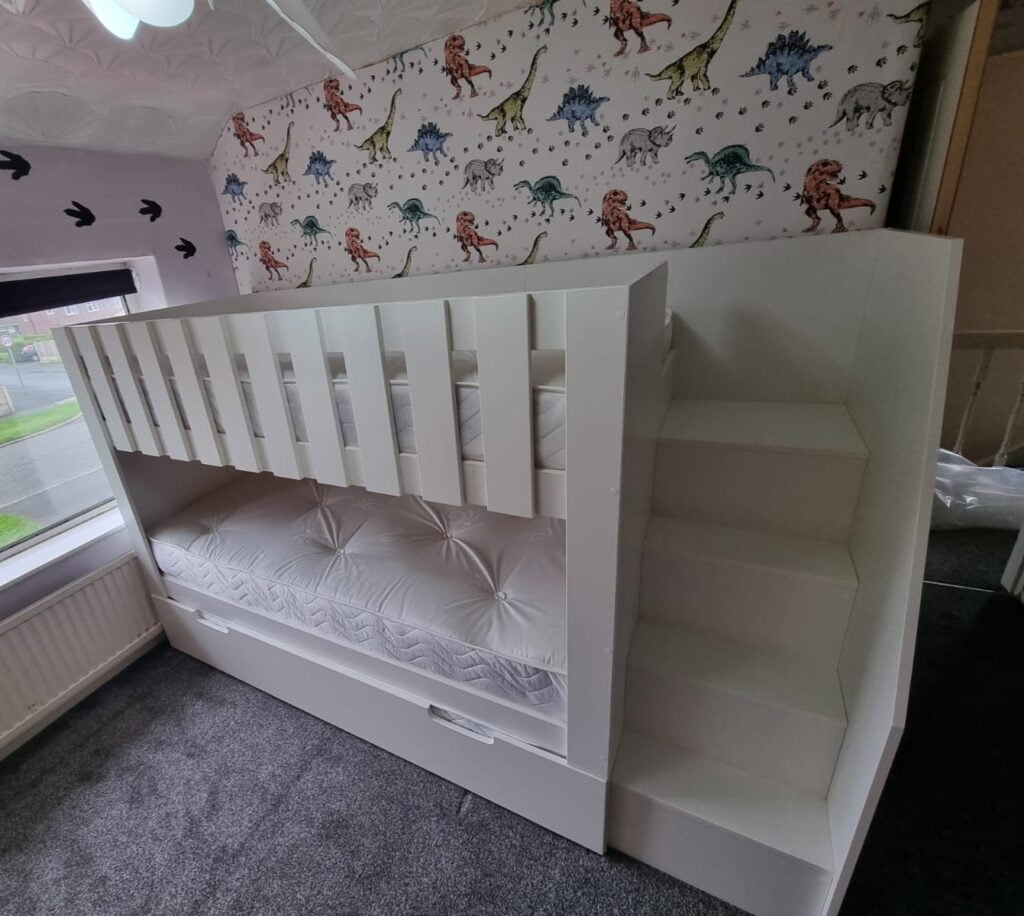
x,y
20,296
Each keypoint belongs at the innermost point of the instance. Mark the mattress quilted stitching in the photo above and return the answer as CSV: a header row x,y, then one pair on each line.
x,y
335,545
548,418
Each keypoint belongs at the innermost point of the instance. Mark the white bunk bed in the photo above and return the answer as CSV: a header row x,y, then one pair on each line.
x,y
745,668
414,508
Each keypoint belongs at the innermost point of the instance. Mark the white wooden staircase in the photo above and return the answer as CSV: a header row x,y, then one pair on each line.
x,y
734,714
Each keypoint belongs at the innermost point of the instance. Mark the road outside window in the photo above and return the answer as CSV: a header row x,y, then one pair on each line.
x,y
49,469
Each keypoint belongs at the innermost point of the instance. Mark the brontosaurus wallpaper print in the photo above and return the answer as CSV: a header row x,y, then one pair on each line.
x,y
574,128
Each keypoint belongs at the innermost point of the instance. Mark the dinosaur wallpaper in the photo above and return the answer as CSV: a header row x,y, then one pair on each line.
x,y
576,128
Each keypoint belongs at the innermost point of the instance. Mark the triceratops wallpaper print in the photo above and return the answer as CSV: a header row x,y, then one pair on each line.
x,y
574,128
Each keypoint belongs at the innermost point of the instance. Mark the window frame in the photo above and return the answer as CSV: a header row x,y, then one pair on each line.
x,y
132,304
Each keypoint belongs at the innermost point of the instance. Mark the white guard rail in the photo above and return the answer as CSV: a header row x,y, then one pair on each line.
x,y
153,396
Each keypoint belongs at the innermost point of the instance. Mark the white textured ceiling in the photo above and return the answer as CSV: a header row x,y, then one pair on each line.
x,y
65,80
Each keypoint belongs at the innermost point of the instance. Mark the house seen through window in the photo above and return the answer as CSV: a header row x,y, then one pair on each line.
x,y
49,470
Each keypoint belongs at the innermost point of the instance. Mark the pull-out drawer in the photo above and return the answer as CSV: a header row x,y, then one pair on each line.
x,y
533,783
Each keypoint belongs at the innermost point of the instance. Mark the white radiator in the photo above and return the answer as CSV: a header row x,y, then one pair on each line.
x,y
60,649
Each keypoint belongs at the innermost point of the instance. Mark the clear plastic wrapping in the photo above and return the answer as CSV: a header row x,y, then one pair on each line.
x,y
969,496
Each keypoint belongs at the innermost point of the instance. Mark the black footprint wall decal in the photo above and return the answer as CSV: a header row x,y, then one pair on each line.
x,y
81,214
17,165
186,248
151,209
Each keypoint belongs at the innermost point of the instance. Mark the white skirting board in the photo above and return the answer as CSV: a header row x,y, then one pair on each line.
x,y
56,652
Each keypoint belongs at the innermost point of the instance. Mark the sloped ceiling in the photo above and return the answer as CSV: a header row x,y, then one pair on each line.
x,y
65,80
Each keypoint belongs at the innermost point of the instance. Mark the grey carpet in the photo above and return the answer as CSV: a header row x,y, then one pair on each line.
x,y
973,557
177,790
945,840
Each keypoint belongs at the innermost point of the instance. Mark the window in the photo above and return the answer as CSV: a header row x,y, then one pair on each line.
x,y
49,470
92,307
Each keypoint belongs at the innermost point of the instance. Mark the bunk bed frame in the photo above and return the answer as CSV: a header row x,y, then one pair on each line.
x,y
162,449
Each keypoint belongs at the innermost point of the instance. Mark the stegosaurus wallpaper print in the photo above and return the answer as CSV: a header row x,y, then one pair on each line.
x,y
573,128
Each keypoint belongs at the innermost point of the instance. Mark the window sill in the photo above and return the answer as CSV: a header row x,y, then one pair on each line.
x,y
57,548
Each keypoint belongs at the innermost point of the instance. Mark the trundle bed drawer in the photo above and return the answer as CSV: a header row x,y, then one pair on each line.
x,y
531,782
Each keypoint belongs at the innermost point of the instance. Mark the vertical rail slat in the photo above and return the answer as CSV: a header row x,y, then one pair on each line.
x,y
316,395
359,330
596,336
190,390
427,344
253,337
112,337
503,364
984,362
103,388
172,434
1003,455
227,392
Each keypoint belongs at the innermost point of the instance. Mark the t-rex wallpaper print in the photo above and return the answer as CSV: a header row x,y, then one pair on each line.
x,y
574,128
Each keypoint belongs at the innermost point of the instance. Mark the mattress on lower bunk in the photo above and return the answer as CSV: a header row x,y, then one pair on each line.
x,y
547,380
471,595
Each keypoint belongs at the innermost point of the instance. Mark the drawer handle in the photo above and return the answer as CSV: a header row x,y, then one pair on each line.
x,y
433,715
211,623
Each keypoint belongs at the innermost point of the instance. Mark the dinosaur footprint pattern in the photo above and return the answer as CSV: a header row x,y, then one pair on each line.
x,y
571,130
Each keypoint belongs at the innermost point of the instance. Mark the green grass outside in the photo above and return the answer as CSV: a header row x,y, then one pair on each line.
x,y
15,527
21,425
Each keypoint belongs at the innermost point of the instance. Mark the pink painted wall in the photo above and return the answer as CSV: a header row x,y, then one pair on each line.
x,y
34,230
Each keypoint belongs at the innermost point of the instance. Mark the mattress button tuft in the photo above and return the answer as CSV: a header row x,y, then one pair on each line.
x,y
501,596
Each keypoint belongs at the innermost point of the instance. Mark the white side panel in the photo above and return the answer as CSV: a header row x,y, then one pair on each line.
x,y
356,332
895,398
535,784
506,402
112,338
172,433
595,385
253,338
103,389
316,393
227,392
428,362
649,374
190,390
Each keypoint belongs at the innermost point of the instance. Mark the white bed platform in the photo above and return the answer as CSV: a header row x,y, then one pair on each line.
x,y
745,524
303,384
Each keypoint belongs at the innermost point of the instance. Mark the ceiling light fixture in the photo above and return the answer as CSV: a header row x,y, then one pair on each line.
x,y
122,18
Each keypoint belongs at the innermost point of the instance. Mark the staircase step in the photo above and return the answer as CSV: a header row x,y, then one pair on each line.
x,y
787,468
778,591
770,425
772,713
756,843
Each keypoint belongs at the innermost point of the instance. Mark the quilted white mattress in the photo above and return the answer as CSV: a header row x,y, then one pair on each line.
x,y
547,379
474,596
